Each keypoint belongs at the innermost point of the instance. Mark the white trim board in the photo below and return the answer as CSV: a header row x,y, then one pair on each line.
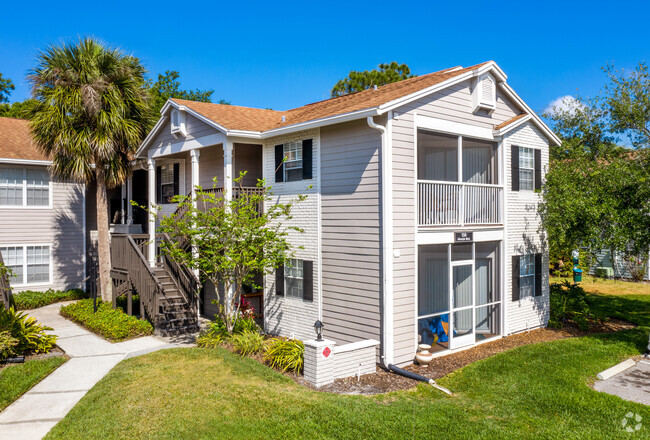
x,y
25,161
187,145
456,128
445,237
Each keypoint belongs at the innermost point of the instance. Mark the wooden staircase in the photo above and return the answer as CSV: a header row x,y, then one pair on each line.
x,y
168,291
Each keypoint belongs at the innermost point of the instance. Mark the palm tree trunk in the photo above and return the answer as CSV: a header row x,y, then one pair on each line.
x,y
103,245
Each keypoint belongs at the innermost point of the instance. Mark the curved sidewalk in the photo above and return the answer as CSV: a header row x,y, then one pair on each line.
x,y
91,358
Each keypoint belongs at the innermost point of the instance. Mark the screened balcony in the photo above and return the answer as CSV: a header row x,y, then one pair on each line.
x,y
457,181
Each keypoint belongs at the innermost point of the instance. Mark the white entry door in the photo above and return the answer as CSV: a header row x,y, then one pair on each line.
x,y
462,304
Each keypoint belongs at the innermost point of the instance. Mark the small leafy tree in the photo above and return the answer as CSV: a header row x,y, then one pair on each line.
x,y
229,241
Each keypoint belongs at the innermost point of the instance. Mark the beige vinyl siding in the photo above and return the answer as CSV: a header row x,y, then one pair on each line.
x,y
61,226
522,234
351,239
195,129
404,282
455,104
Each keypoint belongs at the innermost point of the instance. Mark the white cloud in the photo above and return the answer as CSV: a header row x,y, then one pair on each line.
x,y
565,103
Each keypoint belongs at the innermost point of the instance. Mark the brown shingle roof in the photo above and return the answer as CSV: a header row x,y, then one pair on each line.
x,y
509,121
252,119
16,141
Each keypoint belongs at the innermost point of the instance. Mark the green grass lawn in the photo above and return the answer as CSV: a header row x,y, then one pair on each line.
x,y
617,299
531,392
16,380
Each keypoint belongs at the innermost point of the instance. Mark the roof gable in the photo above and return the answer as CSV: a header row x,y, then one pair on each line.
x,y
16,141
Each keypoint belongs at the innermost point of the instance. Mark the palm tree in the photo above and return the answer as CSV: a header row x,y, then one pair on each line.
x,y
92,112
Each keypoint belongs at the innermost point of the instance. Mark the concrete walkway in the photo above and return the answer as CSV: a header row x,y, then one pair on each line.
x,y
632,384
91,358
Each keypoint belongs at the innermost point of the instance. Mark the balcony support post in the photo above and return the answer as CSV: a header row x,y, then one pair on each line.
x,y
151,167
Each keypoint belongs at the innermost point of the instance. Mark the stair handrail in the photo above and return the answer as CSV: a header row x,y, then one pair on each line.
x,y
187,282
138,271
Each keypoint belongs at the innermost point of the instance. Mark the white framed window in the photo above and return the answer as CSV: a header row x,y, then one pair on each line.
x,y
31,264
167,181
526,169
293,162
527,276
294,279
20,187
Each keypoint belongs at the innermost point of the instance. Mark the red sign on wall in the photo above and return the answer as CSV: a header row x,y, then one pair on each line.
x,y
327,352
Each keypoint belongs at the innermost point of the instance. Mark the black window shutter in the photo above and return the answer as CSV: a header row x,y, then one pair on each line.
x,y
307,159
538,170
279,281
514,167
538,274
308,280
177,171
515,277
279,166
158,185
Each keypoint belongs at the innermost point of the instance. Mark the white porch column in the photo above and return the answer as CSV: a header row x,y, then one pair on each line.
x,y
151,201
129,197
195,154
123,204
227,169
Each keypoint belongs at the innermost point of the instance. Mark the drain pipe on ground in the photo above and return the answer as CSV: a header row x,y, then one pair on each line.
x,y
414,376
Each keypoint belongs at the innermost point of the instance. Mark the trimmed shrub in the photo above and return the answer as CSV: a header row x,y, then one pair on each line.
x,y
217,334
111,324
285,354
30,334
248,342
569,305
32,299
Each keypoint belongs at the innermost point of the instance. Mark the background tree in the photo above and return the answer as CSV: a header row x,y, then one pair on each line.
x,y
234,240
92,111
18,109
357,81
6,86
597,193
167,86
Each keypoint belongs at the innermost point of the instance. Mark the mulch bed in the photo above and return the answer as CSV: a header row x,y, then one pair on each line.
x,y
383,381
54,352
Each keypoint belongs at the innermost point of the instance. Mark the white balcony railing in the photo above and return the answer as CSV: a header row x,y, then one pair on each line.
x,y
458,204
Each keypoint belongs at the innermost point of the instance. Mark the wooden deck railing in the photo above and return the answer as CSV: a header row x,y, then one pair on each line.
x,y
5,289
129,261
458,204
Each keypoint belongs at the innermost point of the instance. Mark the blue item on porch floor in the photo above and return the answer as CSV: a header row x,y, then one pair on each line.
x,y
436,326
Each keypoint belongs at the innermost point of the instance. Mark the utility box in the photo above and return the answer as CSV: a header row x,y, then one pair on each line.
x,y
577,275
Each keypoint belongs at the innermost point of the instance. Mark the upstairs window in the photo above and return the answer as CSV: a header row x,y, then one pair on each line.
x,y
293,161
526,164
168,181
526,169
24,187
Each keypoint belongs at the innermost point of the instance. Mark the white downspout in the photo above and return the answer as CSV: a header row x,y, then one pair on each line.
x,y
387,241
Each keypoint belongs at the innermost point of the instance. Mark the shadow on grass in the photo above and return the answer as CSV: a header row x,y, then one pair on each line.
x,y
632,308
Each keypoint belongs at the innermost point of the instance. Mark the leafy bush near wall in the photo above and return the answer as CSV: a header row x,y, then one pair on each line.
x,y
248,342
112,324
285,354
31,299
217,333
31,335
569,305
123,303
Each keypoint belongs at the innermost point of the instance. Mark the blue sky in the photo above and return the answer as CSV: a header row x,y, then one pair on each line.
x,y
285,54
